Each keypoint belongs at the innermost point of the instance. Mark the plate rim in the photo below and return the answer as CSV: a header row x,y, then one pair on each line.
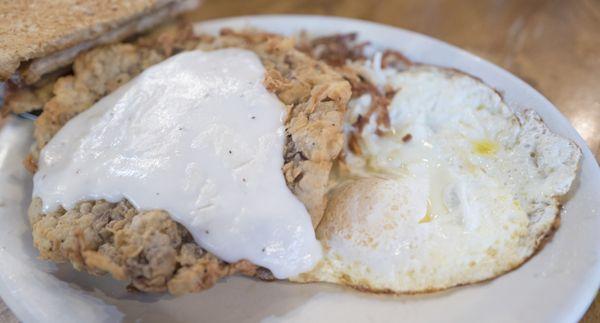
x,y
584,300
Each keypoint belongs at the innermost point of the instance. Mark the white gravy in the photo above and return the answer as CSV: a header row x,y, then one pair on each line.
x,y
200,137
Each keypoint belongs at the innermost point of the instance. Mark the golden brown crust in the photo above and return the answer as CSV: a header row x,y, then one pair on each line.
x,y
148,248
65,28
26,99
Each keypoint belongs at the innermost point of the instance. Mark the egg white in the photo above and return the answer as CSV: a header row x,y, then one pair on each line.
x,y
459,190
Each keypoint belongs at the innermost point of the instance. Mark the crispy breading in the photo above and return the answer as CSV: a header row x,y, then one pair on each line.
x,y
26,99
149,249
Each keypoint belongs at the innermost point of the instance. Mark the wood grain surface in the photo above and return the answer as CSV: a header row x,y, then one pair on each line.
x,y
554,45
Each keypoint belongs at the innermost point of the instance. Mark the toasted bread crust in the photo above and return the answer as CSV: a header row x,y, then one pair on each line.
x,y
49,27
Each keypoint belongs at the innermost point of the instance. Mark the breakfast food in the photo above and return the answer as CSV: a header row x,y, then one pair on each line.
x,y
442,186
148,247
39,44
162,161
39,49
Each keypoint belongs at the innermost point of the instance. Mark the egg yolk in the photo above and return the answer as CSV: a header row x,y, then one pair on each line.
x,y
485,147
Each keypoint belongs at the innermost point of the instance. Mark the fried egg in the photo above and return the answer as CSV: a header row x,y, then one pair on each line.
x,y
458,189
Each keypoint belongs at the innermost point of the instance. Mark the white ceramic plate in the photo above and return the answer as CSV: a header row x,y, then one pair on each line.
x,y
557,285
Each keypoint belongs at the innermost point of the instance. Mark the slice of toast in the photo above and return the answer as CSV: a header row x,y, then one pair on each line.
x,y
39,37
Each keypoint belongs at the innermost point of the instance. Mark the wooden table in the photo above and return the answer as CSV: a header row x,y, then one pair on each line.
x,y
554,45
